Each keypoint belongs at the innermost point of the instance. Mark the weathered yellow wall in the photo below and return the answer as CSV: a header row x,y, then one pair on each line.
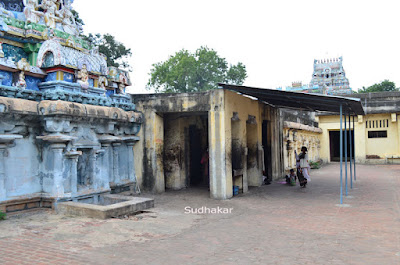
x,y
294,140
148,173
245,106
138,156
220,105
220,180
383,147
364,146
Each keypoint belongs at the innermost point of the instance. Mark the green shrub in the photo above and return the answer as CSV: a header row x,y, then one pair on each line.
x,y
2,216
315,164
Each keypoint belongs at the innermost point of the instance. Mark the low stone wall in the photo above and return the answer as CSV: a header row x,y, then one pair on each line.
x,y
115,206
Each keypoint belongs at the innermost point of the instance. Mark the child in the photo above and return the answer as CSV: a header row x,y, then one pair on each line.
x,y
292,177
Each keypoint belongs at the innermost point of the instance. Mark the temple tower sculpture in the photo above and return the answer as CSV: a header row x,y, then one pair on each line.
x,y
67,128
330,76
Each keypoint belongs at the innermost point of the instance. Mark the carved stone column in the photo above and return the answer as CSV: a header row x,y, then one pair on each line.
x,y
58,186
108,158
57,145
97,177
5,141
116,177
130,142
73,174
3,193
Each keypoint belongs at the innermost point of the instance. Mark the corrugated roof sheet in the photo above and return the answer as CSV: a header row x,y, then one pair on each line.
x,y
302,101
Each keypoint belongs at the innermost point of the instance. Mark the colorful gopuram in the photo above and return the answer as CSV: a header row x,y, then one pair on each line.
x,y
328,78
67,127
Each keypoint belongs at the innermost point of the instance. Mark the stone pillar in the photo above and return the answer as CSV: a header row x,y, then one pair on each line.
x,y
57,144
131,164
92,166
5,141
290,155
116,177
130,142
220,177
58,187
98,180
3,193
74,156
276,146
107,160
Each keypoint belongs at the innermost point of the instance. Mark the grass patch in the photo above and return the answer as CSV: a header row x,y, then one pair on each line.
x,y
315,164
2,216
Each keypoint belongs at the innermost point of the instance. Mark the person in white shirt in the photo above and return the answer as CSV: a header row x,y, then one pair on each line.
x,y
304,165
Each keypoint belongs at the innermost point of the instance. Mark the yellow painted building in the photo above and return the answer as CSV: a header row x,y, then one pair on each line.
x,y
377,138
243,134
243,137
376,134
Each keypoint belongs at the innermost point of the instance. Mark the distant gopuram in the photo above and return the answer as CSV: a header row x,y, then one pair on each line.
x,y
328,78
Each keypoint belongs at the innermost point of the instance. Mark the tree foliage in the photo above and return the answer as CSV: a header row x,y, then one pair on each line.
x,y
192,72
383,86
116,52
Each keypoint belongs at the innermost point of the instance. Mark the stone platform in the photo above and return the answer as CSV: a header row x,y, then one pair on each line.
x,y
108,206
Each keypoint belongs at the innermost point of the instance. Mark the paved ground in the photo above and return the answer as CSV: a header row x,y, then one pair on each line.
x,y
275,224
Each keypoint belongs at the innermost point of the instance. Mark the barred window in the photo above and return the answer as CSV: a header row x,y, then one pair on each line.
x,y
377,134
377,124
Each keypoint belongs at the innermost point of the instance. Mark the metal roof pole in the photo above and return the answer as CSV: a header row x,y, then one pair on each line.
x,y
341,154
345,149
354,133
351,153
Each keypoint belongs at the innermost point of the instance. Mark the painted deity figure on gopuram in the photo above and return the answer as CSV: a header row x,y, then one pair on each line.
x,y
83,77
31,11
51,13
44,37
68,20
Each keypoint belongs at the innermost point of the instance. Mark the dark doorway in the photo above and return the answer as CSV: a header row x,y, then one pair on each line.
x,y
334,144
196,151
185,145
266,142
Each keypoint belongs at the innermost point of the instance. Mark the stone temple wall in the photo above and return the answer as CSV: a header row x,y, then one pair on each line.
x,y
59,150
67,128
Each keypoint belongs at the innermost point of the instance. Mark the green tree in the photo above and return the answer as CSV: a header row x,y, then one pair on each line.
x,y
192,72
78,20
385,85
116,52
